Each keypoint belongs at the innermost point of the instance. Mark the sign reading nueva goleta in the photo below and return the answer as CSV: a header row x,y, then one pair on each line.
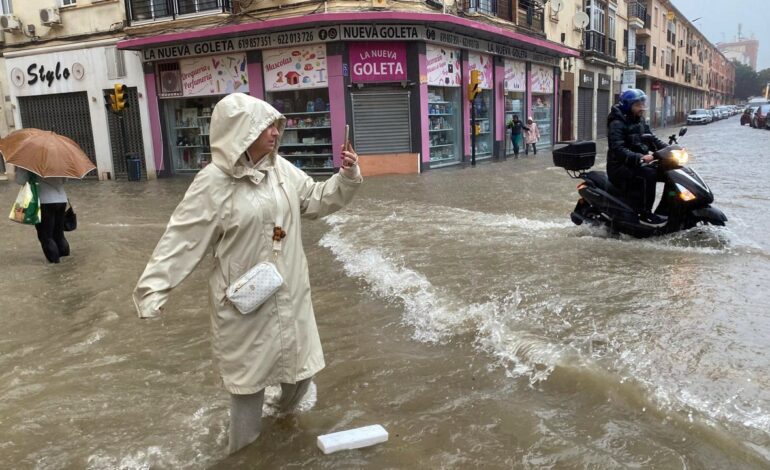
x,y
351,32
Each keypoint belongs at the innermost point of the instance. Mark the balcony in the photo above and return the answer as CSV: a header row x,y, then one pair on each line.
x,y
594,42
152,10
639,58
487,7
637,14
530,16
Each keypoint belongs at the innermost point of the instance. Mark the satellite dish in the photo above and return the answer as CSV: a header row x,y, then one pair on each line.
x,y
557,6
581,20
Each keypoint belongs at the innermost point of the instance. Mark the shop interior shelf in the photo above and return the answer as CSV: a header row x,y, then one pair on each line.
x,y
188,146
204,117
482,118
304,113
481,133
320,144
304,128
188,127
438,102
204,135
440,130
443,159
441,145
441,114
308,155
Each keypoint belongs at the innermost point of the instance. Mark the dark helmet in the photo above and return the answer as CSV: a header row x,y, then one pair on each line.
x,y
629,97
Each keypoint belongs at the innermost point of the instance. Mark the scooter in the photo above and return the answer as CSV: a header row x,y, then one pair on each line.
x,y
686,200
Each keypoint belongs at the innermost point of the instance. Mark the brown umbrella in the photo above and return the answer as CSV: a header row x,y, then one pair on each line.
x,y
45,153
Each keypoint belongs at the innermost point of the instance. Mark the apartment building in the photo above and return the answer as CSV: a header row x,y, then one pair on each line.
x,y
646,44
60,58
396,71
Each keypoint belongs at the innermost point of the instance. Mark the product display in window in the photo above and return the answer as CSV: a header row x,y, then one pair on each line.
x,y
307,138
483,104
443,125
542,108
189,120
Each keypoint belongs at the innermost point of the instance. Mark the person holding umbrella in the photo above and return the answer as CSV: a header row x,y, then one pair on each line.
x,y
47,159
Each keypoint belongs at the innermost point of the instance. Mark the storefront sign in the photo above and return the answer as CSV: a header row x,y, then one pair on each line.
x,y
515,76
295,68
604,82
214,75
483,63
40,73
586,79
378,61
443,66
351,32
542,79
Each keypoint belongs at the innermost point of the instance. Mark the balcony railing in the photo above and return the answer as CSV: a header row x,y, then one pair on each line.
x,y
150,10
530,15
594,41
636,9
639,57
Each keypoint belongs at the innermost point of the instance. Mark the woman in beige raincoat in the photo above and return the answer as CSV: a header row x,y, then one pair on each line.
x,y
230,210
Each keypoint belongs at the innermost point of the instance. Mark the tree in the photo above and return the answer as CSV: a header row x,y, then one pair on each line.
x,y
746,81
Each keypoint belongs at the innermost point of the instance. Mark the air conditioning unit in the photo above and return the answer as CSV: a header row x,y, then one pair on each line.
x,y
170,81
49,16
10,23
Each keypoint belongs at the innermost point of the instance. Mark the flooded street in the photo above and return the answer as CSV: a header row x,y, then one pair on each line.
x,y
461,309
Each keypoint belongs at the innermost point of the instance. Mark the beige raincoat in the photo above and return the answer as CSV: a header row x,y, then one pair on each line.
x,y
230,210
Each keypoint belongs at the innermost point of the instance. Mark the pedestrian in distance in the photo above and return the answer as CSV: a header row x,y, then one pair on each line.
x,y
631,145
517,128
245,209
531,136
53,205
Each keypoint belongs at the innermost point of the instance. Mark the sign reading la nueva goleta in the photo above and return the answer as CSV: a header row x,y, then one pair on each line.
x,y
350,32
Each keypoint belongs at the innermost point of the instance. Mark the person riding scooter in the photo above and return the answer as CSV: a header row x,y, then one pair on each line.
x,y
629,153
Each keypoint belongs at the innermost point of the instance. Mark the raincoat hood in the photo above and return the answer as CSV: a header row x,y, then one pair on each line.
x,y
237,121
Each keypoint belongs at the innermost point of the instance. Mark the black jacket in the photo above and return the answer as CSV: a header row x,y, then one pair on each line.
x,y
517,127
626,147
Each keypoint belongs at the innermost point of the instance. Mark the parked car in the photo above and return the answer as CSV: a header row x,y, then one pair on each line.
x,y
715,115
747,114
760,116
699,116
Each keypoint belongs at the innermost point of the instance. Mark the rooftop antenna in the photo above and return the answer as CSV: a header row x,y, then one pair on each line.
x,y
740,26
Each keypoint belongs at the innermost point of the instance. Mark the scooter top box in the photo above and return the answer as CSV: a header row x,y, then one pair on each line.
x,y
575,156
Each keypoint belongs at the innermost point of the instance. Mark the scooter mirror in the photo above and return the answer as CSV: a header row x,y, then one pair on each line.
x,y
682,131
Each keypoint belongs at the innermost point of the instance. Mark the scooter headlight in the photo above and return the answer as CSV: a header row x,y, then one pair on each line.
x,y
685,194
680,156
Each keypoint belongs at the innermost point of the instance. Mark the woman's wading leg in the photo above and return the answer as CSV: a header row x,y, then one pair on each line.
x,y
245,419
291,394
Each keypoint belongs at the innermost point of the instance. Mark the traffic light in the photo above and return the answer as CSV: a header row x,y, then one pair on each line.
x,y
119,101
473,87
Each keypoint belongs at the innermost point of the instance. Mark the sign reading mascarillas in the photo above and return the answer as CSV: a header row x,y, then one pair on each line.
x,y
378,61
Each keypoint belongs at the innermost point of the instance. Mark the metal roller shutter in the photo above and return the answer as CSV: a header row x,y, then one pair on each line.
x,y
381,122
602,111
585,113
134,140
67,114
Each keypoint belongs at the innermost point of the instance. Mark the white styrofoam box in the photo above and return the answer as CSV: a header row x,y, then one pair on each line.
x,y
352,438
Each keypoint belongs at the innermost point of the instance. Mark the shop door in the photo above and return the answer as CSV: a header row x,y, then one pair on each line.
x,y
133,143
381,122
602,111
566,115
64,113
585,113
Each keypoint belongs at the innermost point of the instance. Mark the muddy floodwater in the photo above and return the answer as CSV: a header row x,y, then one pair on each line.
x,y
461,309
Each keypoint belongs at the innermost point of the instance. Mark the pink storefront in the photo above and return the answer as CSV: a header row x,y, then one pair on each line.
x,y
398,82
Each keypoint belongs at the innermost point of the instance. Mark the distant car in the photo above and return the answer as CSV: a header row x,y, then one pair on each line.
x,y
699,116
760,116
715,114
746,116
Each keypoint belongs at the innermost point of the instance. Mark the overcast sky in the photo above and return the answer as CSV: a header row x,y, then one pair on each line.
x,y
719,21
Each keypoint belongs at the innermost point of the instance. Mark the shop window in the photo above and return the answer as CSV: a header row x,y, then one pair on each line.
x,y
444,110
189,120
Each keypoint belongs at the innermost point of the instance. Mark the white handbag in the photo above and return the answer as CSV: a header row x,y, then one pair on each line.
x,y
259,283
252,289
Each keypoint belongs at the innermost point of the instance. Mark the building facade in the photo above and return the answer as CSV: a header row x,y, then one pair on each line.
x,y
742,50
395,72
60,57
